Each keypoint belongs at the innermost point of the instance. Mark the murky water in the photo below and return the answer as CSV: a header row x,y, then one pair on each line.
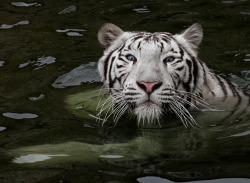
x,y
48,89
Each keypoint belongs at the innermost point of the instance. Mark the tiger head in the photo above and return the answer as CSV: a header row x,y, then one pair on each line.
x,y
151,74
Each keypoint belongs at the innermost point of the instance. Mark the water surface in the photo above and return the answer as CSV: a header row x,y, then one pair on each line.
x,y
48,55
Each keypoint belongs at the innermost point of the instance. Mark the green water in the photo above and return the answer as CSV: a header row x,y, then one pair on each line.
x,y
48,61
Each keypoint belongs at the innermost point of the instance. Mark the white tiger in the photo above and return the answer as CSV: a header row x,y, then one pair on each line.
x,y
151,74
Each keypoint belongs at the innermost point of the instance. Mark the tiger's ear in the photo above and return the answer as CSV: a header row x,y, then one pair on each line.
x,y
108,33
192,35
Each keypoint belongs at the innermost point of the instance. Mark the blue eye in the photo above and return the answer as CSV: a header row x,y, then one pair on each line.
x,y
131,58
169,59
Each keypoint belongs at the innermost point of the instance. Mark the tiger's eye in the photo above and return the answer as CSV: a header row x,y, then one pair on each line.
x,y
169,59
131,58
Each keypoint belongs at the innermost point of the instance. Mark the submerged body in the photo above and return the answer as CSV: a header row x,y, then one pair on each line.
x,y
151,74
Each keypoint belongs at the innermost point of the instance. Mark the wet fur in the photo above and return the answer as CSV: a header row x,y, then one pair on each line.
x,y
185,82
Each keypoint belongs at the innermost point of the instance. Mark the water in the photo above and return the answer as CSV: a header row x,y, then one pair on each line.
x,y
48,58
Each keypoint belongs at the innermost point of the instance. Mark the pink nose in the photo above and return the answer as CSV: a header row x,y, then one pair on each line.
x,y
149,87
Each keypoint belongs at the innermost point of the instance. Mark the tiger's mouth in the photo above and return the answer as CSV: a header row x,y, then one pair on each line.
x,y
148,112
148,103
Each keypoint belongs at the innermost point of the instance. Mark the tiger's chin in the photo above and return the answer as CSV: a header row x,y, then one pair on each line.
x,y
148,112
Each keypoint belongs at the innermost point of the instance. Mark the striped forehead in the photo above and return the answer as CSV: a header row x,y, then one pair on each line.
x,y
144,39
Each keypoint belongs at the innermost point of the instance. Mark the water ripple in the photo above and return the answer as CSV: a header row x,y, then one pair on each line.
x,y
67,30
40,97
245,12
2,128
248,58
111,156
23,4
71,32
142,10
33,158
69,9
237,135
1,63
7,26
150,179
82,74
20,115
40,63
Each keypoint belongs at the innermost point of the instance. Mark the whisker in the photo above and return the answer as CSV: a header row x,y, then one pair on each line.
x,y
120,113
189,103
188,116
176,110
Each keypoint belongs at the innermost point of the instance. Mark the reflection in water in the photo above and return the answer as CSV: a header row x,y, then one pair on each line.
x,y
153,179
23,4
83,74
248,58
71,32
237,135
40,97
6,26
43,61
242,82
69,9
111,156
142,10
246,74
171,142
20,115
40,63
245,12
25,64
33,158
2,128
74,34
1,63
67,30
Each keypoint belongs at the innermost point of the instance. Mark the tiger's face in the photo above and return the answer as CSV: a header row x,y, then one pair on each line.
x,y
150,73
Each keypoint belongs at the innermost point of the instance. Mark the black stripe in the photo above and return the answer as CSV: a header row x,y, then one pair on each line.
x,y
180,68
132,94
187,84
195,71
147,38
110,81
162,46
123,60
166,37
166,94
173,51
232,87
222,85
132,99
175,63
120,78
155,38
106,62
139,45
166,40
176,79
129,46
119,66
131,88
120,49
181,52
137,37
